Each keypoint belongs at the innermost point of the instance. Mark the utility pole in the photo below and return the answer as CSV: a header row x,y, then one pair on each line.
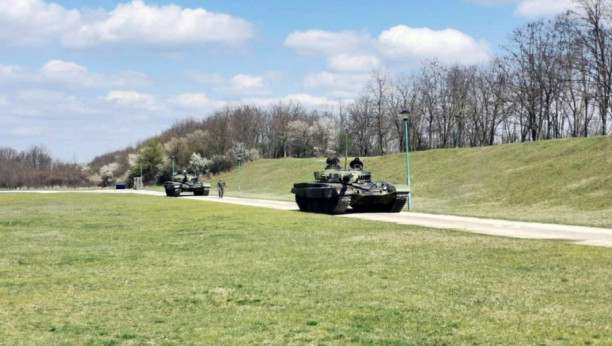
x,y
405,113
239,164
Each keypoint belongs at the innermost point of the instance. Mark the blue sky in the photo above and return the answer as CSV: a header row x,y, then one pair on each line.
x,y
84,80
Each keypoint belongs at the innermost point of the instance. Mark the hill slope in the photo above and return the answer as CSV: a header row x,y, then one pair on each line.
x,y
561,181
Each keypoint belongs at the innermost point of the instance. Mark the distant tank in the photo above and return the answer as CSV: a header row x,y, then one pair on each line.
x,y
335,189
186,183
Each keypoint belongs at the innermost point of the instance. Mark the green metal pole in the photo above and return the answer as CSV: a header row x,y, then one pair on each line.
x,y
172,167
345,148
407,165
239,193
141,171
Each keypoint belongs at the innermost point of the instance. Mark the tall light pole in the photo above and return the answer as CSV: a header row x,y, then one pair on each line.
x,y
173,167
405,113
345,147
457,118
239,161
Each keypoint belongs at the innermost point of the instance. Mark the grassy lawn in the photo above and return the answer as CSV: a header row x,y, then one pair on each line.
x,y
557,181
79,269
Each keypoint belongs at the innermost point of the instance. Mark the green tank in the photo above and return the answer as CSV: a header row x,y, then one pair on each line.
x,y
335,189
186,183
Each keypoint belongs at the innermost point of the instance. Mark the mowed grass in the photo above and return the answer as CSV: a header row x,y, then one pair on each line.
x,y
557,181
82,269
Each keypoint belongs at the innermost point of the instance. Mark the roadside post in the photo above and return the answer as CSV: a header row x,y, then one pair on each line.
x,y
405,113
172,166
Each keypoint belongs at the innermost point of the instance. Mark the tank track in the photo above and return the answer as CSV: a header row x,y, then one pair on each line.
x,y
399,203
332,206
342,205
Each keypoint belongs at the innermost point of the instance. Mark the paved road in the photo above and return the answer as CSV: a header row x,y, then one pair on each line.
x,y
528,230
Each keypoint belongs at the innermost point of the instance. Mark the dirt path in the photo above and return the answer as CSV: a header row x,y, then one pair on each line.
x,y
515,229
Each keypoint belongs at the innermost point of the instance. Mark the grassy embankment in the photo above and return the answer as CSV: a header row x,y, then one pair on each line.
x,y
135,270
560,181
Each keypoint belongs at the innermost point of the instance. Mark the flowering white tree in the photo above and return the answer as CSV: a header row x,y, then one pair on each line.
x,y
107,174
199,164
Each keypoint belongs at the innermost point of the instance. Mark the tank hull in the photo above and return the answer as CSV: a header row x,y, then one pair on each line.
x,y
322,198
174,189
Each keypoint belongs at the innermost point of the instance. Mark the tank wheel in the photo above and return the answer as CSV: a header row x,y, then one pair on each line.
x,y
360,208
198,192
173,192
206,192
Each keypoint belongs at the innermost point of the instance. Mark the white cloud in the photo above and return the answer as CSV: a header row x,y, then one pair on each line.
x,y
44,103
137,23
26,131
69,75
335,81
351,51
132,99
33,22
534,9
305,100
243,81
325,43
240,84
346,62
36,23
194,101
412,45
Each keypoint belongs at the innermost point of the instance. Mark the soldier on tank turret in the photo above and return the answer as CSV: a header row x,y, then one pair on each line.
x,y
332,163
356,164
185,178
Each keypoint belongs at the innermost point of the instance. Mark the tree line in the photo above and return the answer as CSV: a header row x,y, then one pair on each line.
x,y
552,80
36,168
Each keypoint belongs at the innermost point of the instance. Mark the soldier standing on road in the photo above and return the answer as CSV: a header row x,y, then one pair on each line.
x,y
221,187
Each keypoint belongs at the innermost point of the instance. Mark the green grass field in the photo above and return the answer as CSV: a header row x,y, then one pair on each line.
x,y
558,181
81,269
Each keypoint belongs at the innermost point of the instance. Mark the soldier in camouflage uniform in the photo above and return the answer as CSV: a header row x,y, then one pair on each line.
x,y
221,187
